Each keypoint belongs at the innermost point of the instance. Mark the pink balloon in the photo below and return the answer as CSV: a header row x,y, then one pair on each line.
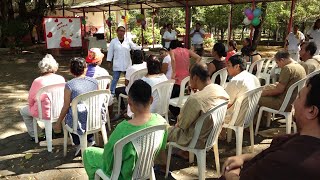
x,y
250,16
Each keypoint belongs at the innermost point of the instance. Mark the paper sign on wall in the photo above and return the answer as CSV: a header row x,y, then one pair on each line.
x,y
63,32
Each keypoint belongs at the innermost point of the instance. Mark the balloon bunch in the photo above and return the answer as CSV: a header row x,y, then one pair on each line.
x,y
125,18
83,21
109,21
252,16
140,19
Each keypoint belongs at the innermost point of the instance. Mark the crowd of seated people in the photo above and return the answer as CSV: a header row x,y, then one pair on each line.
x,y
176,65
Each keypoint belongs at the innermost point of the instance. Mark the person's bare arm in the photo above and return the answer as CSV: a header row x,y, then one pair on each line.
x,y
126,82
211,68
173,64
164,68
194,56
236,162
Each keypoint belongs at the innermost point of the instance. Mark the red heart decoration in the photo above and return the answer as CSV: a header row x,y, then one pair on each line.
x,y
49,35
56,20
70,20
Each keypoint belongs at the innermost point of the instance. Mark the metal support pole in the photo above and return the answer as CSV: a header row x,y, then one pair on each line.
x,y
153,39
142,27
188,17
229,23
84,17
111,25
293,5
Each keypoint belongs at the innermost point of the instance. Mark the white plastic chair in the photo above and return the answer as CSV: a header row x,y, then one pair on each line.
x,y
93,102
223,76
312,74
55,94
164,91
179,101
146,142
218,114
104,81
288,115
247,103
268,73
259,65
135,76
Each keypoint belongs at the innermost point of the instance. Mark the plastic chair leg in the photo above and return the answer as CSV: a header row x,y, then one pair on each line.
x,y
201,160
288,123
48,129
239,139
229,134
294,127
119,103
168,161
153,176
83,143
35,130
258,121
65,141
251,136
269,115
216,157
104,134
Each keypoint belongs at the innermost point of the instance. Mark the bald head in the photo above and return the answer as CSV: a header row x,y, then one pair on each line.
x,y
201,70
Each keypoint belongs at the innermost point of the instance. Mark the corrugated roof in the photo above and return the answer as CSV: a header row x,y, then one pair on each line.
x,y
103,5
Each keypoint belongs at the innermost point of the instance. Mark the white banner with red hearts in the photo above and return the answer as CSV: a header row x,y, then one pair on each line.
x,y
62,32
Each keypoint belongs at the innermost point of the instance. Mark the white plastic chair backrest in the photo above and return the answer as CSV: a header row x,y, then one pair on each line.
x,y
312,74
93,102
164,91
182,90
217,114
259,65
297,86
104,81
137,75
266,66
245,107
223,74
147,143
55,93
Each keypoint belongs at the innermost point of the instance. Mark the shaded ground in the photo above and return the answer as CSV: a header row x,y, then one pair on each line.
x,y
23,159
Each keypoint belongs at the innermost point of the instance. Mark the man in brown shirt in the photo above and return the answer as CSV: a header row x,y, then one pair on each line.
x,y
292,157
208,95
273,95
309,61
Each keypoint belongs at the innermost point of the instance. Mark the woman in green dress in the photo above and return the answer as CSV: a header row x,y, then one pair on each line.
x,y
140,99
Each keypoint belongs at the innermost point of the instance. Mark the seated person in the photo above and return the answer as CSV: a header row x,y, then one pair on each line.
x,y
154,77
137,64
166,67
309,61
232,49
273,95
246,42
241,82
48,67
208,96
251,56
80,84
294,156
140,100
218,62
94,60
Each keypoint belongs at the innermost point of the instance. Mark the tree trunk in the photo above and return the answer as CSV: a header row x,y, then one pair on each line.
x,y
22,9
258,29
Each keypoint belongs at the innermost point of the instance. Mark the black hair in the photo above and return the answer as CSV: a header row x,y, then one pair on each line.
x,y
198,23
121,27
237,59
169,24
315,23
220,49
282,54
137,56
248,40
140,92
311,47
175,44
77,66
200,70
153,65
313,96
233,44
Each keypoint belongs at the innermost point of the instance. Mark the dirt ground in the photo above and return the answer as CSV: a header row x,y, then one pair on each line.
x,y
17,71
